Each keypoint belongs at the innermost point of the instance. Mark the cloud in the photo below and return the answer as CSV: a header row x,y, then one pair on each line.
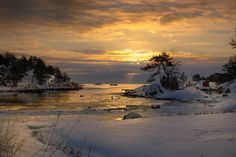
x,y
90,14
178,16
91,52
88,35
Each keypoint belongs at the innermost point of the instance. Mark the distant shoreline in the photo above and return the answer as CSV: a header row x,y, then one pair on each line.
x,y
39,90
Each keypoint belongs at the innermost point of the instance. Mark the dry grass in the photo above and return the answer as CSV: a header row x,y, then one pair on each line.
x,y
10,145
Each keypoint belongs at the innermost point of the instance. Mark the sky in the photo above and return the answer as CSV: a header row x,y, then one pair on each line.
x,y
108,41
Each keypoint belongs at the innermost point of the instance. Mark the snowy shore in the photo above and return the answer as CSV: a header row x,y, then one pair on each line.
x,y
37,89
201,126
189,94
174,136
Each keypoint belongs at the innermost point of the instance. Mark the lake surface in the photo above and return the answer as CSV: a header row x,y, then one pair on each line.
x,y
97,97
100,96
95,100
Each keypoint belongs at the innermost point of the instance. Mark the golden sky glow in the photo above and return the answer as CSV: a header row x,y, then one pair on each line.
x,y
80,35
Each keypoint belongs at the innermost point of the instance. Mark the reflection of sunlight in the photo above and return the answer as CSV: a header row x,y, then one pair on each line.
x,y
130,76
132,55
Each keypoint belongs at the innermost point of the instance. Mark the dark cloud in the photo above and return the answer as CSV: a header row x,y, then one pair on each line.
x,y
44,27
93,51
93,73
119,71
88,14
178,16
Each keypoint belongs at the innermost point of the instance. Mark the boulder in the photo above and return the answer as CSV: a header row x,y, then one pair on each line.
x,y
156,106
227,91
68,150
132,115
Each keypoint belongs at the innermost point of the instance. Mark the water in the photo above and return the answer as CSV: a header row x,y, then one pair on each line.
x,y
96,100
93,96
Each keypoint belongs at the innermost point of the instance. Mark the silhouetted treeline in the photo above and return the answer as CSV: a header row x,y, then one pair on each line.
x,y
13,69
233,41
229,73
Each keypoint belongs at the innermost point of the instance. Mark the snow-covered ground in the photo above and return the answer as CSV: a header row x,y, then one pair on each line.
x,y
189,127
155,90
171,136
191,94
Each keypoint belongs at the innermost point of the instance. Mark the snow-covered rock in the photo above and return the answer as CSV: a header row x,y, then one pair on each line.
x,y
155,90
148,90
231,85
187,94
132,115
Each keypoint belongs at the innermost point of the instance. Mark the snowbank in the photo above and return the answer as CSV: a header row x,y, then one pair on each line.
x,y
187,94
147,90
174,136
231,85
155,90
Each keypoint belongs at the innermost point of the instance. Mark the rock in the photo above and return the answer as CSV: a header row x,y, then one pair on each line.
x,y
68,151
220,90
156,106
224,95
132,115
227,91
78,154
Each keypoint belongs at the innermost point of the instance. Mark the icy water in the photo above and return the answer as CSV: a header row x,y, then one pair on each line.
x,y
90,96
95,100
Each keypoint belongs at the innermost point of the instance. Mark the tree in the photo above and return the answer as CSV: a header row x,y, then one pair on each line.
x,y
183,80
3,74
13,69
40,70
218,78
196,77
230,68
58,76
233,41
65,77
16,73
165,66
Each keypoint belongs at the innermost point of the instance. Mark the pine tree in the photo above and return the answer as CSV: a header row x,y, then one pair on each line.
x,y
230,68
233,41
14,69
165,66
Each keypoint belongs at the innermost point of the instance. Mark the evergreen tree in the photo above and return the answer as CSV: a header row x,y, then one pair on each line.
x,y
40,70
230,68
13,70
65,77
233,41
165,66
16,73
196,77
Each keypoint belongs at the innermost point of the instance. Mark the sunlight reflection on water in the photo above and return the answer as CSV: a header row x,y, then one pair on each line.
x,y
96,100
95,96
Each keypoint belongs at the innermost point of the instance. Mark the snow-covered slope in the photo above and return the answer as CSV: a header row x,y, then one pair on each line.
x,y
155,90
148,90
187,94
172,136
231,85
